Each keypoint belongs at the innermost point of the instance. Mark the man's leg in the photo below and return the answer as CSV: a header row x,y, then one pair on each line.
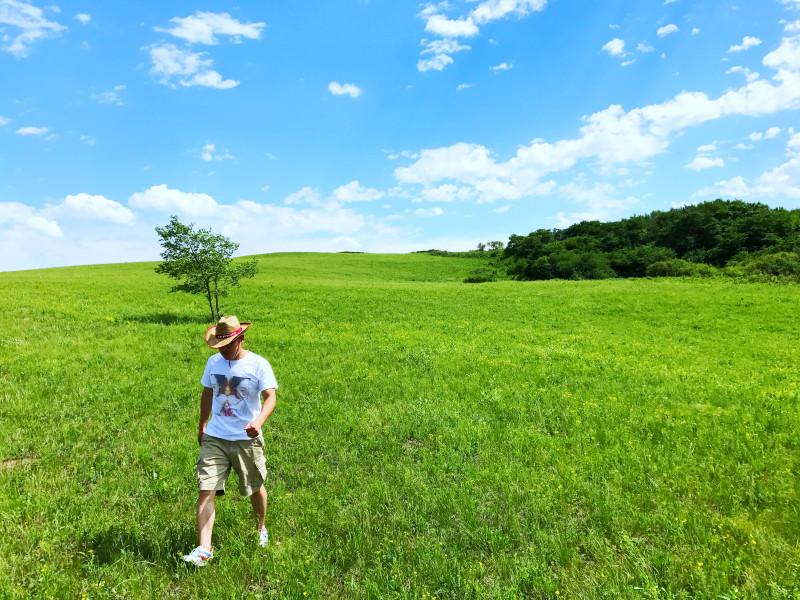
x,y
205,517
259,502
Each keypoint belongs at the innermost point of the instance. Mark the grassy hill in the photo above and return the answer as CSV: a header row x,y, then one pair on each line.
x,y
557,439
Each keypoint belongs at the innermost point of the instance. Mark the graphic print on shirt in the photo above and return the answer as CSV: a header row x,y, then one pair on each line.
x,y
230,388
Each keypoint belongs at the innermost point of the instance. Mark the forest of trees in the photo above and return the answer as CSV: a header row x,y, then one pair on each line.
x,y
722,237
692,240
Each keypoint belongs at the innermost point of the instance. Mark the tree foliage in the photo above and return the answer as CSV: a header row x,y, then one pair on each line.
x,y
201,261
717,233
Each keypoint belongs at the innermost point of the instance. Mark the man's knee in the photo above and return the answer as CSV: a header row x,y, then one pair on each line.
x,y
262,491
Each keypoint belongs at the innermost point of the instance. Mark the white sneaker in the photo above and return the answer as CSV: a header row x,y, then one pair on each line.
x,y
263,538
199,557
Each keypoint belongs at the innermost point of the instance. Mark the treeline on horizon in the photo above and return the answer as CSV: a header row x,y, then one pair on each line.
x,y
721,237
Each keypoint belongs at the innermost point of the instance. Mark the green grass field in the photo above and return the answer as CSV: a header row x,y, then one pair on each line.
x,y
597,439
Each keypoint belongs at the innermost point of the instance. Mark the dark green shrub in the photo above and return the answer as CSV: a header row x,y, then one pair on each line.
x,y
481,275
633,262
777,264
678,267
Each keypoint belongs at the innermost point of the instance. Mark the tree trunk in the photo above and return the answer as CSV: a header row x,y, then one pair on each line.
x,y
210,306
216,297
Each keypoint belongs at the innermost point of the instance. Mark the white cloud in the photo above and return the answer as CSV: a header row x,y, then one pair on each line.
x,y
599,201
793,143
494,10
32,130
344,89
436,56
112,96
92,207
18,215
702,162
627,63
429,212
769,134
748,74
205,27
615,47
695,30
170,64
782,181
84,18
460,87
707,148
305,195
402,154
87,139
666,30
747,42
503,66
440,52
288,222
644,48
460,161
792,27
786,56
163,199
355,192
4,121
743,147
447,193
30,22
209,153
441,25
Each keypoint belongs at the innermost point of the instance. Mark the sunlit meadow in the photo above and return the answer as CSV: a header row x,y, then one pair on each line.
x,y
559,439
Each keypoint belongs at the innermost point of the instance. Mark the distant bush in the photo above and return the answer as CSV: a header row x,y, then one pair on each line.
x,y
776,265
677,267
492,253
634,262
563,263
481,275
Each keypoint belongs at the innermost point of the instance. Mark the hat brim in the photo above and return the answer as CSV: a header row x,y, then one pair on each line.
x,y
213,342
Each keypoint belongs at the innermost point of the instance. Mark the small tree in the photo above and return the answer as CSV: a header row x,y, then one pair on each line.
x,y
201,262
496,246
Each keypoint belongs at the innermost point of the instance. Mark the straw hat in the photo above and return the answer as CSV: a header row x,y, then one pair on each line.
x,y
224,332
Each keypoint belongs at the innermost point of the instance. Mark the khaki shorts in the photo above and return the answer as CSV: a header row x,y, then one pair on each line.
x,y
218,456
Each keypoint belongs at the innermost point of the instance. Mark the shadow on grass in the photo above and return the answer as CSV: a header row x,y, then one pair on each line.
x,y
159,547
164,319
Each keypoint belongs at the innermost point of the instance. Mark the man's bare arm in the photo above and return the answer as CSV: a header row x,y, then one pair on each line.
x,y
253,428
205,412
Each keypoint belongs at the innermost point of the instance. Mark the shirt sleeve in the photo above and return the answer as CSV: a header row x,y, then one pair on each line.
x,y
266,378
206,378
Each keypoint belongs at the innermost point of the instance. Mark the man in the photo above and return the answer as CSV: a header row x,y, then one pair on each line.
x,y
235,381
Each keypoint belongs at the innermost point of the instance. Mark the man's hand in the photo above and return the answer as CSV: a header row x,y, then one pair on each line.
x,y
200,433
252,429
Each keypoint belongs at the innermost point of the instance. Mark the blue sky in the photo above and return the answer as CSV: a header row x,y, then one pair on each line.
x,y
382,126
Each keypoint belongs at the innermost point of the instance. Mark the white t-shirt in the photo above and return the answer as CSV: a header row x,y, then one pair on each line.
x,y
237,386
